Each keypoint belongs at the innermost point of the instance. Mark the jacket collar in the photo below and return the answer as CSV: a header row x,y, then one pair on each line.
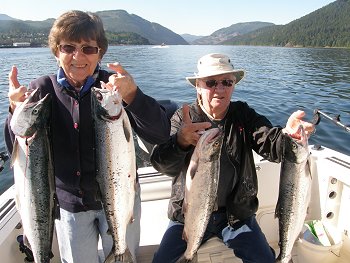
x,y
62,80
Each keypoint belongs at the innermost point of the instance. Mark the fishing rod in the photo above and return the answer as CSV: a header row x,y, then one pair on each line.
x,y
335,120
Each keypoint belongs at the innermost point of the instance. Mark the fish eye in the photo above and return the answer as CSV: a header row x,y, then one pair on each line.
x,y
99,96
35,111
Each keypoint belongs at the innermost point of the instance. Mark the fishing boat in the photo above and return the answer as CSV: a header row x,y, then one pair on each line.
x,y
163,45
330,201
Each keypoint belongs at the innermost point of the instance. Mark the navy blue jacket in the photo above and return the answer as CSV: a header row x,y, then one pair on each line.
x,y
72,136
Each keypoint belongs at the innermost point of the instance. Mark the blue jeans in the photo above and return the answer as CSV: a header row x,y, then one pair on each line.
x,y
78,234
245,238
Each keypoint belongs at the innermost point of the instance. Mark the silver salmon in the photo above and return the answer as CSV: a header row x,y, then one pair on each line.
x,y
201,190
116,167
34,176
294,194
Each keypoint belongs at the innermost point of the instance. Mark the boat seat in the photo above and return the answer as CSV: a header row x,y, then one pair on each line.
x,y
215,251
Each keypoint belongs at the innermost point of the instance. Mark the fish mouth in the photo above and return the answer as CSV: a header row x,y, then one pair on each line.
x,y
214,136
303,136
113,118
28,137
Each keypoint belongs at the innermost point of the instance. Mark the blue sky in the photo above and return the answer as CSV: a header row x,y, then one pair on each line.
x,y
197,17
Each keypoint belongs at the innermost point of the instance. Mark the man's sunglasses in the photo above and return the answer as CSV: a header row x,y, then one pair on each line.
x,y
87,50
213,83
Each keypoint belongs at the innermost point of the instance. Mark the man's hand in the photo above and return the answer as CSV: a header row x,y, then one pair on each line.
x,y
190,132
293,123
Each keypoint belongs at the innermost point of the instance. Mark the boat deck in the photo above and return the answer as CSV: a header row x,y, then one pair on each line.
x,y
213,251
330,203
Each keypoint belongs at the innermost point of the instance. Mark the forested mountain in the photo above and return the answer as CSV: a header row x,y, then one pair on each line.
x,y
121,27
121,21
190,38
326,27
226,33
6,17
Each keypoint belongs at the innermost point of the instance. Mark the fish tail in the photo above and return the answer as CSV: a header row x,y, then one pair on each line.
x,y
284,260
125,257
183,259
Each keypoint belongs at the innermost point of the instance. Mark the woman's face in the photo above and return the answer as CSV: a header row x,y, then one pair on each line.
x,y
215,93
76,64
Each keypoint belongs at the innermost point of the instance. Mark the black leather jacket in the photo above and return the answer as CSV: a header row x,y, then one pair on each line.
x,y
245,130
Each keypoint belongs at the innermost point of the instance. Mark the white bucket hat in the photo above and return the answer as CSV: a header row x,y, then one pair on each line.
x,y
213,65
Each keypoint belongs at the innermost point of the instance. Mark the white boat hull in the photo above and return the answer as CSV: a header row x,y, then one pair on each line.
x,y
330,202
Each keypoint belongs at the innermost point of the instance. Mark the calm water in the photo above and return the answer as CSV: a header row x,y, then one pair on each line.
x,y
279,81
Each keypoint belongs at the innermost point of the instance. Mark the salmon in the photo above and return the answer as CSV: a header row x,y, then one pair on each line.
x,y
201,190
116,167
33,175
294,193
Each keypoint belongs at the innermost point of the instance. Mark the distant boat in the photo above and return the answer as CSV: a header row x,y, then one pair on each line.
x,y
163,45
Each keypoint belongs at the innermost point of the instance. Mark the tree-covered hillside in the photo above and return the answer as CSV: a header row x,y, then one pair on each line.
x,y
325,27
226,33
122,29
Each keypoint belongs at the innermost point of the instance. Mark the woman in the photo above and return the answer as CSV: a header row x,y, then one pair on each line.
x,y
78,42
244,130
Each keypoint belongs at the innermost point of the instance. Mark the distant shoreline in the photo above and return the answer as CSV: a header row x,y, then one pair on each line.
x,y
10,46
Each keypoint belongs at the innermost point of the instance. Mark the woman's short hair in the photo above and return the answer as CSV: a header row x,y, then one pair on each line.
x,y
76,26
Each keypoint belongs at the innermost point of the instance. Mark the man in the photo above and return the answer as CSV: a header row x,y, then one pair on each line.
x,y
244,130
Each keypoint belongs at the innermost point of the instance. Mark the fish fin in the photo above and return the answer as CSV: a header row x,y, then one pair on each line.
x,y
182,259
184,235
184,207
56,208
193,170
126,131
14,152
277,209
24,249
125,257
279,259
26,241
308,166
18,203
215,206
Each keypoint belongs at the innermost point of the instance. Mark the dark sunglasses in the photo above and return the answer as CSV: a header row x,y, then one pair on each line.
x,y
87,50
213,83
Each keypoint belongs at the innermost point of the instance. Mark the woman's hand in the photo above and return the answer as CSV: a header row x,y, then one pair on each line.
x,y
17,93
293,123
123,82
